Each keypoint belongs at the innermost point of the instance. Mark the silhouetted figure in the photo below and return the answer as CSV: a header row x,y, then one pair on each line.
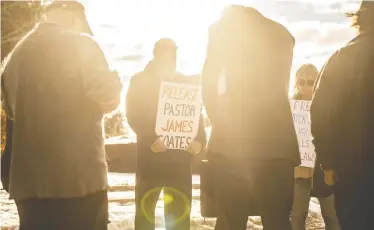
x,y
343,126
306,77
57,86
253,146
157,167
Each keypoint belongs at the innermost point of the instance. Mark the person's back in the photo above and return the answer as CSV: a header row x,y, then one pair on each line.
x,y
58,129
245,92
254,109
342,123
57,86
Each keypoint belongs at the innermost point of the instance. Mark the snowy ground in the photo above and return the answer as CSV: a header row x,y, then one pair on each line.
x,y
122,209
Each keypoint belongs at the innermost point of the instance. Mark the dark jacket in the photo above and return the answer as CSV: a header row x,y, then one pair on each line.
x,y
7,155
141,112
342,109
252,119
57,86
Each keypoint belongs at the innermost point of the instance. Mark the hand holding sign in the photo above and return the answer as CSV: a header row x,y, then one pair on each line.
x,y
178,115
195,147
158,146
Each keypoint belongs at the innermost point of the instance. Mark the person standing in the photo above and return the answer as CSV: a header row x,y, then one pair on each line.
x,y
306,76
343,126
57,86
157,167
253,147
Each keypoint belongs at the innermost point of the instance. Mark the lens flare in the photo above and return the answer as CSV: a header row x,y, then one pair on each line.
x,y
170,196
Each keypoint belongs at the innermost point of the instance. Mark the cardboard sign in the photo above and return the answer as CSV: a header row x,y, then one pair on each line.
x,y
178,115
301,119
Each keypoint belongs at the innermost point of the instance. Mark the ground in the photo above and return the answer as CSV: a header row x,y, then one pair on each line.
x,y
122,209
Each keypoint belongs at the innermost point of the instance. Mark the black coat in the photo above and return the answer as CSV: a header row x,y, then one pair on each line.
x,y
342,111
252,119
7,156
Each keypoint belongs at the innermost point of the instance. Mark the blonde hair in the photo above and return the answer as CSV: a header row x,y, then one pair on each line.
x,y
304,70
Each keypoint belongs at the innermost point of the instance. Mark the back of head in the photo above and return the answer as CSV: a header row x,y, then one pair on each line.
x,y
68,13
363,19
256,52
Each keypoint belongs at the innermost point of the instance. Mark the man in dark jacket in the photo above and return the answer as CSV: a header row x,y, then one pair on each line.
x,y
342,124
157,166
253,144
57,86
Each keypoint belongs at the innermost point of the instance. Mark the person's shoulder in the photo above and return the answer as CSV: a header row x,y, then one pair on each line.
x,y
281,32
138,77
84,41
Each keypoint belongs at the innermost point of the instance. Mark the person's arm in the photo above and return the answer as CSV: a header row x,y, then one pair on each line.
x,y
329,97
211,72
100,84
201,134
136,117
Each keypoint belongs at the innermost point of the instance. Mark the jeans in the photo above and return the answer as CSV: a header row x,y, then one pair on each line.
x,y
177,189
301,206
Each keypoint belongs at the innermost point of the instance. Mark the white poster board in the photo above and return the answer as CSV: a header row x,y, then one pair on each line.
x,y
301,118
178,115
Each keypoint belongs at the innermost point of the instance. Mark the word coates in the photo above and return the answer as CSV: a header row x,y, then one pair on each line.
x,y
178,114
301,119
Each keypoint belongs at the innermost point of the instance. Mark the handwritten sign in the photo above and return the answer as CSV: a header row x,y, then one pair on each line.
x,y
178,115
301,119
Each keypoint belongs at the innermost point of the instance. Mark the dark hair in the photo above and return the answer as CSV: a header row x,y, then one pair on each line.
x,y
363,19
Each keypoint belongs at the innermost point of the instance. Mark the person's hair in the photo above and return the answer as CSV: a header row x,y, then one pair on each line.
x,y
363,19
304,70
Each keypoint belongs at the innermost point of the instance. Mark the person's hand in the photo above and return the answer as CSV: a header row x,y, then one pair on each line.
x,y
194,147
158,146
330,177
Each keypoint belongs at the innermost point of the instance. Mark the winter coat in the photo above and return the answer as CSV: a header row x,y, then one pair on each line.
x,y
57,86
342,111
251,117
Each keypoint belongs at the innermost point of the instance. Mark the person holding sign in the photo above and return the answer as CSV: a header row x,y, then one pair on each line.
x,y
253,147
343,124
303,93
163,108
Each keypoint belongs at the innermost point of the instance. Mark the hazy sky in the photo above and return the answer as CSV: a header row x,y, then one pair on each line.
x,y
127,29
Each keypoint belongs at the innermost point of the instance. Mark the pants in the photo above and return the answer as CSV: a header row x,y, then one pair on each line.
x,y
354,201
270,183
301,207
83,213
177,189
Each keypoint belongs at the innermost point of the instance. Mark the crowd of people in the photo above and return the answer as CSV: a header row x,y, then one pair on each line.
x,y
57,86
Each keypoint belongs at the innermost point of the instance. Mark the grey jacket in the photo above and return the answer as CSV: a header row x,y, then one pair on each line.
x,y
57,86
251,119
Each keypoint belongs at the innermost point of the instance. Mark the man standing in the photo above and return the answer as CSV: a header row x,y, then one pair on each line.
x,y
342,124
253,147
57,86
157,167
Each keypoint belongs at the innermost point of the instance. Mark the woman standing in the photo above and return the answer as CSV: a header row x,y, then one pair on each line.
x,y
305,79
